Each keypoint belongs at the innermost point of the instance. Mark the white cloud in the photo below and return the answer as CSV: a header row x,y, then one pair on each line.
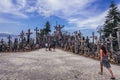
x,y
7,7
92,22
62,8
74,12
2,20
77,12
119,6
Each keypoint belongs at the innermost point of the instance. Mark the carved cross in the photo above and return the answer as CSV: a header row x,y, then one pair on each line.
x,y
28,36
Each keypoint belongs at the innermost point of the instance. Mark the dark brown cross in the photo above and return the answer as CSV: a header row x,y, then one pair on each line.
x,y
28,36
2,41
9,37
36,30
21,35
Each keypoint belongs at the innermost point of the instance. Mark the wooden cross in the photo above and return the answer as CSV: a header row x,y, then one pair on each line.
x,y
9,37
58,31
2,41
28,36
36,30
21,35
93,37
111,41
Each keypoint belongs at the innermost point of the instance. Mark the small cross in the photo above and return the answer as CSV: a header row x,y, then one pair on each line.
x,y
21,34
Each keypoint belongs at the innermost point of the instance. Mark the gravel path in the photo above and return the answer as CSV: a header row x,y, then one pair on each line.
x,y
47,65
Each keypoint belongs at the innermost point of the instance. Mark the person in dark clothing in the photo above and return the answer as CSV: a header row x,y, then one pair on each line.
x,y
53,45
104,61
50,46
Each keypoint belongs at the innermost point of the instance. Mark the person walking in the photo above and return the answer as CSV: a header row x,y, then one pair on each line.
x,y
53,45
104,61
46,45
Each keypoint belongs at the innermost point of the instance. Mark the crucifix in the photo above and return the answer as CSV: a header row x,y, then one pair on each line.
x,y
21,36
118,35
93,37
36,30
28,36
87,41
2,41
100,32
75,35
58,31
118,38
111,44
9,37
111,41
1,45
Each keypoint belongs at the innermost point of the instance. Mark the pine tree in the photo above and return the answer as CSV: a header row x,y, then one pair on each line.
x,y
41,32
47,28
112,21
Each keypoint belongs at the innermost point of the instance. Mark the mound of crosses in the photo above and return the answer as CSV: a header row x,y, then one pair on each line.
x,y
74,42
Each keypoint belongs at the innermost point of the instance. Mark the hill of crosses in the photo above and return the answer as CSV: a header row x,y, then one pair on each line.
x,y
58,54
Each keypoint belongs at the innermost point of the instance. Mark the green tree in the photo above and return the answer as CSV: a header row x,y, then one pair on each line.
x,y
47,28
112,21
41,32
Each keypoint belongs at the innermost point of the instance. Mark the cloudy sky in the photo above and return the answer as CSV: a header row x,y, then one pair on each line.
x,y
84,15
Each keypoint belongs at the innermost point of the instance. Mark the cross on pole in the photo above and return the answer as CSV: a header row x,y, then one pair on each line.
x,y
9,37
100,32
28,36
118,35
36,30
21,35
58,31
2,41
111,41
93,37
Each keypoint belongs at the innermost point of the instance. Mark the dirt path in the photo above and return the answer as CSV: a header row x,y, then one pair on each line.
x,y
47,65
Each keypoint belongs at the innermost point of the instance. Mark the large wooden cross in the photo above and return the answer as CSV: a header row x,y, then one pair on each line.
x,y
28,36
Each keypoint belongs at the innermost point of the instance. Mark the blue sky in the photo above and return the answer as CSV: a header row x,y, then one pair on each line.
x,y
84,15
